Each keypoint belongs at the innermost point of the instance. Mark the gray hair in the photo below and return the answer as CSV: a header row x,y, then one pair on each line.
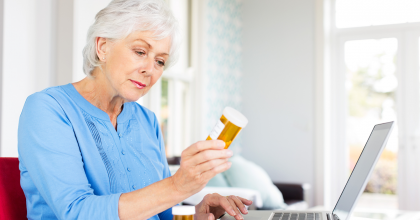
x,y
122,17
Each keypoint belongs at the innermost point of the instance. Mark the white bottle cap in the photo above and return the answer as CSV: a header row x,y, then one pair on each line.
x,y
183,210
235,117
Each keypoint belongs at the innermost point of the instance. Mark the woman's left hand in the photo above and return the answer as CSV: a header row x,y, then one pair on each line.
x,y
215,205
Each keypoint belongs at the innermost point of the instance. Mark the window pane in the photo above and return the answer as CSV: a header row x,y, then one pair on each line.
x,y
356,13
371,85
175,106
164,113
175,120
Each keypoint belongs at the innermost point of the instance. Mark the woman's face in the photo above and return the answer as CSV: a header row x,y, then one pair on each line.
x,y
134,64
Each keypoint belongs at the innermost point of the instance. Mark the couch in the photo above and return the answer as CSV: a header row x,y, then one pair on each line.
x,y
295,195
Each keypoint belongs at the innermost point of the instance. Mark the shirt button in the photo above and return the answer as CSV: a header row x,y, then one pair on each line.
x,y
123,152
120,135
134,187
128,169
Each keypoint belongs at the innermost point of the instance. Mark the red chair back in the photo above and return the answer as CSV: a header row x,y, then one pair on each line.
x,y
12,199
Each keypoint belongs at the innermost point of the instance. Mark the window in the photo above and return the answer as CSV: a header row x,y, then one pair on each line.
x,y
170,98
358,13
371,84
374,71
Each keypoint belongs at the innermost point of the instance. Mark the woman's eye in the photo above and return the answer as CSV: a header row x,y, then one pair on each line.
x,y
161,63
141,53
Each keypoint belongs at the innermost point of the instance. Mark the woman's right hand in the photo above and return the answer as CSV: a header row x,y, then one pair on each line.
x,y
199,163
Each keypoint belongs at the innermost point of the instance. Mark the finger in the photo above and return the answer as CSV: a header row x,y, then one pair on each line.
x,y
238,215
239,204
213,172
203,216
210,165
204,145
222,201
245,201
211,216
209,155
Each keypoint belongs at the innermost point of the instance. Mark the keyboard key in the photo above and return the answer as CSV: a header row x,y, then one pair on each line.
x,y
294,216
310,216
317,216
285,216
277,216
302,216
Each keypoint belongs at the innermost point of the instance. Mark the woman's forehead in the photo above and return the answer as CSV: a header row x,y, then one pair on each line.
x,y
148,39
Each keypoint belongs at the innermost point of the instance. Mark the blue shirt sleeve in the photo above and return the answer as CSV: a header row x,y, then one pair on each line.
x,y
49,150
167,214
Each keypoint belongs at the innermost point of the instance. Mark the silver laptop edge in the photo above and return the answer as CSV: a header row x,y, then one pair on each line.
x,y
348,198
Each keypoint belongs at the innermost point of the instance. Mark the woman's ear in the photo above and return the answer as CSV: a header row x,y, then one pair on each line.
x,y
101,48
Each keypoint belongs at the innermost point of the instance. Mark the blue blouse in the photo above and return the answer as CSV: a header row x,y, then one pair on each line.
x,y
75,165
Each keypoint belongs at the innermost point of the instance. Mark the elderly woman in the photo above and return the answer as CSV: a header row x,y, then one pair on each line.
x,y
87,150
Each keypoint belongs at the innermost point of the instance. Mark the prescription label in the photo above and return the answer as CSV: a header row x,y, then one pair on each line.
x,y
218,128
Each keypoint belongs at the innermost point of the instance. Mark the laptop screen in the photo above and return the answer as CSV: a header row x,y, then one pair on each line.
x,y
361,172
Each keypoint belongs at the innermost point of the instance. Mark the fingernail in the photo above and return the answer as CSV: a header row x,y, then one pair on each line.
x,y
229,153
245,211
221,144
232,212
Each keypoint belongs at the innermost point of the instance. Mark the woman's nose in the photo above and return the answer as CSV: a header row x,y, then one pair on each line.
x,y
147,67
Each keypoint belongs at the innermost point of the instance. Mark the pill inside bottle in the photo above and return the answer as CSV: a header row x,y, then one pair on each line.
x,y
185,212
229,126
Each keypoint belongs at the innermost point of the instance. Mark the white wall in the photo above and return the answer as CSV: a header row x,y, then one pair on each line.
x,y
27,68
43,42
1,63
84,16
278,87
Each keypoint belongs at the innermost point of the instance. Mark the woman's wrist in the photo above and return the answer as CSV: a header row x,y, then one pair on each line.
x,y
150,200
177,193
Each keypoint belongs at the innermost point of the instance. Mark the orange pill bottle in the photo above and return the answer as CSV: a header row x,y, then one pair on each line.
x,y
229,126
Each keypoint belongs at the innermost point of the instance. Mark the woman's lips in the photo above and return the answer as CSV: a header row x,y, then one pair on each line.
x,y
138,84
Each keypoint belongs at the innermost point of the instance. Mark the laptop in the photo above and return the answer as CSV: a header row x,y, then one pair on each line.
x,y
355,184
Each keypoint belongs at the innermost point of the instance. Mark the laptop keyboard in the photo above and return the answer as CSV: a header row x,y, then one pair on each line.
x,y
297,216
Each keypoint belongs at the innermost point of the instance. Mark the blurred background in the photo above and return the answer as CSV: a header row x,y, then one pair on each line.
x,y
312,76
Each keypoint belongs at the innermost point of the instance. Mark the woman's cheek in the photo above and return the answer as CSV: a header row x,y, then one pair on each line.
x,y
156,76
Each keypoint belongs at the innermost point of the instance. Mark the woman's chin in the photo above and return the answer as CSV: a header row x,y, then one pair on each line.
x,y
133,94
133,97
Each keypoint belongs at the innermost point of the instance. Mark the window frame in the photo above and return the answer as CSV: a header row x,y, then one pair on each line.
x,y
407,93
183,85
331,106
